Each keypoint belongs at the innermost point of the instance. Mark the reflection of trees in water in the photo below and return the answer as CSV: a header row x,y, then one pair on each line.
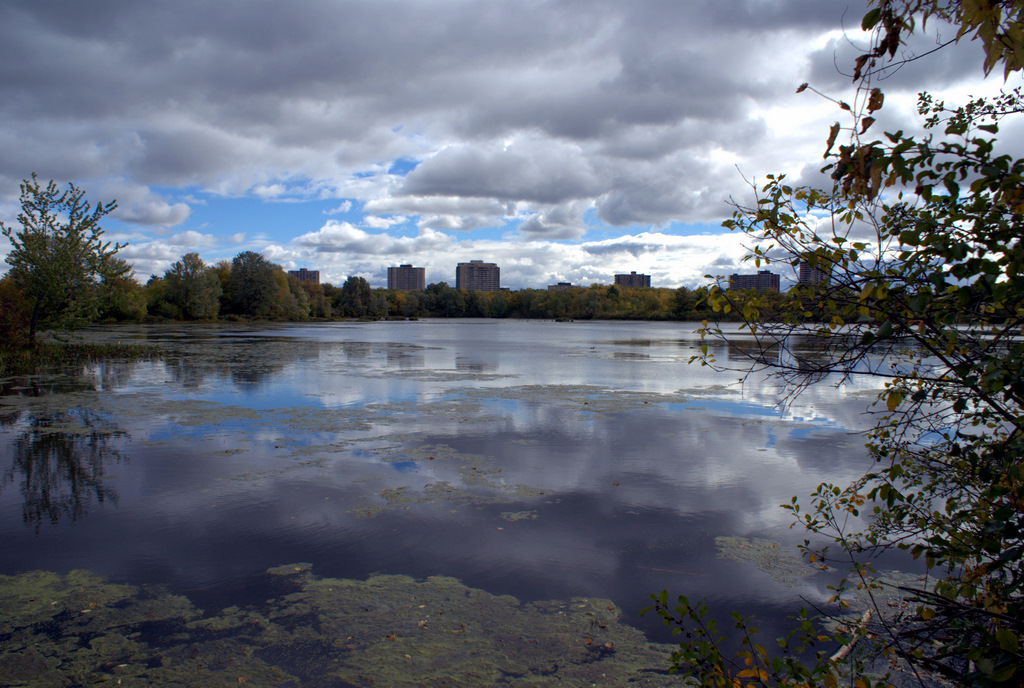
x,y
474,366
404,356
59,458
754,351
246,362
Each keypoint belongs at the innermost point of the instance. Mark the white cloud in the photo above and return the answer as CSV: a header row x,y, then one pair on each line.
x,y
340,249
377,222
342,207
192,240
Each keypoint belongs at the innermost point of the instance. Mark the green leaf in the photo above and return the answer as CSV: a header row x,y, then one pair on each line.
x,y
1008,640
871,19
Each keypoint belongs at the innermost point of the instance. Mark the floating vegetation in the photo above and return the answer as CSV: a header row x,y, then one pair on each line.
x,y
584,398
443,492
388,630
440,375
782,564
55,356
530,515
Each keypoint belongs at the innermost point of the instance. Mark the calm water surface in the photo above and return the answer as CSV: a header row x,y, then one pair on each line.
x,y
536,459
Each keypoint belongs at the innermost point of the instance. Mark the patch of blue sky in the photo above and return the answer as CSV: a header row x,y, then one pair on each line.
x,y
510,406
728,408
278,218
239,434
804,433
264,399
231,431
403,166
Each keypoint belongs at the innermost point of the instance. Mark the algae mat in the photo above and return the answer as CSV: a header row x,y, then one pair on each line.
x,y
387,630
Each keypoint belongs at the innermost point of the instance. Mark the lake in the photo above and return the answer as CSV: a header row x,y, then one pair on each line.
x,y
442,502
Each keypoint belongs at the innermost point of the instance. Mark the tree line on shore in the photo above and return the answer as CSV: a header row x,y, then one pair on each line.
x,y
64,275
250,287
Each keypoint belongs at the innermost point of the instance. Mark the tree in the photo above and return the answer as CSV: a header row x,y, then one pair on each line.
x,y
319,304
292,300
684,302
120,296
355,299
13,315
922,248
253,286
441,300
193,288
58,256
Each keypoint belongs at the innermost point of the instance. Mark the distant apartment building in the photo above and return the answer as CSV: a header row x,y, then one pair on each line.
x,y
633,280
561,286
808,275
765,280
307,276
407,278
477,275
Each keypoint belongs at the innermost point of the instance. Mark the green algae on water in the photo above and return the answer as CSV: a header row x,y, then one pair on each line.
x,y
782,564
513,516
388,630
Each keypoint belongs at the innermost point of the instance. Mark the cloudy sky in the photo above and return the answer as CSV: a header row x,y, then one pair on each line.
x,y
566,140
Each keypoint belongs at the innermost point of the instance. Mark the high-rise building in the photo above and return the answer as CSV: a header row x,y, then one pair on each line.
x,y
561,286
407,278
477,275
304,275
809,275
764,280
633,280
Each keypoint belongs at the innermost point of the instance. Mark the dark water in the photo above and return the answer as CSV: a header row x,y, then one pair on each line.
x,y
540,460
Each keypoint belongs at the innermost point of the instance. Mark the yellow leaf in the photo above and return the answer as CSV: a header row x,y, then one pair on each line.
x,y
753,673
893,400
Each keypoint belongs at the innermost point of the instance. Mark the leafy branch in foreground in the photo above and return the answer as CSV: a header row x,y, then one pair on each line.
x,y
920,242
